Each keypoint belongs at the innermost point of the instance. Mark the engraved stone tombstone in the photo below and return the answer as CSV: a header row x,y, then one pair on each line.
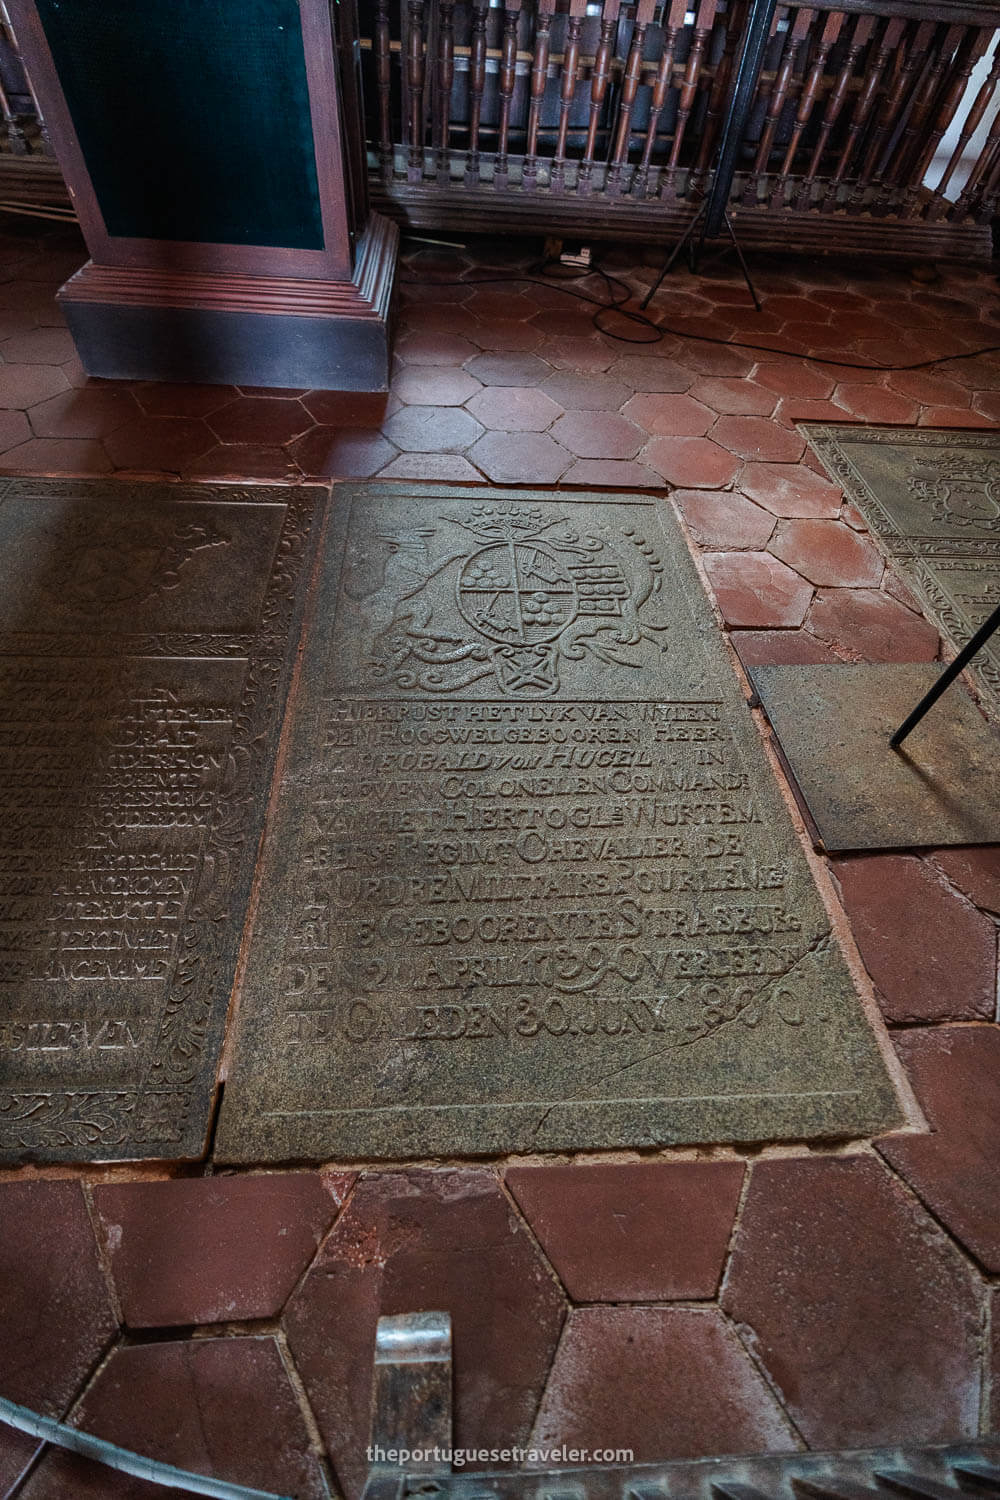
x,y
532,884
932,498
146,633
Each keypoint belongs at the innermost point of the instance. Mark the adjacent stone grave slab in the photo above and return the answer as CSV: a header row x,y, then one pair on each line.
x,y
932,498
146,633
942,786
532,884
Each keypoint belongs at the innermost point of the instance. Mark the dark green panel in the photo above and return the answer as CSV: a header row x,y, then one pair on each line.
x,y
193,117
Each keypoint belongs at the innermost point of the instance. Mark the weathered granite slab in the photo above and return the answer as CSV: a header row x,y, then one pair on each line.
x,y
942,786
531,884
146,636
931,496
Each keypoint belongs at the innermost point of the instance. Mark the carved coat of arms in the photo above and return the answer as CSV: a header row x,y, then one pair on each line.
x,y
961,490
525,594
126,565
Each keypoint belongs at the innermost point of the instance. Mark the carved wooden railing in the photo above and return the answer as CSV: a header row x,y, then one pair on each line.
x,y
602,118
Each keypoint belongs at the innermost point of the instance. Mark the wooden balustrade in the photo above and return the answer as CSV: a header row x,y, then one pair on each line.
x,y
603,119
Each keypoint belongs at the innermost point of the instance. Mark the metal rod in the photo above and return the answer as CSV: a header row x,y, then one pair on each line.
x,y
978,641
126,1462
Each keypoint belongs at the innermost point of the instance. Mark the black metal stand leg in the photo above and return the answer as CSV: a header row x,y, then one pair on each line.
x,y
672,257
743,263
978,641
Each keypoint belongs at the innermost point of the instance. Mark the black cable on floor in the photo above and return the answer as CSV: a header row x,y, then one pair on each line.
x,y
615,305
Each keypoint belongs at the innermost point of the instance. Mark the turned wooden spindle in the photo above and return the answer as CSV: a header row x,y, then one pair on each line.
x,y
445,77
813,82
508,77
914,137
567,86
672,21
885,116
794,39
477,84
978,180
704,18
733,25
626,104
383,80
861,43
865,104
598,90
545,10
977,39
904,95
969,126
415,87
832,108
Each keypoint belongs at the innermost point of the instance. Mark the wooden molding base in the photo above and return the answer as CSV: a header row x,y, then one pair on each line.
x,y
143,324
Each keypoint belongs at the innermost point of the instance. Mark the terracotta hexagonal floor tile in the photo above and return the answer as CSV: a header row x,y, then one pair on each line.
x,y
90,412
22,386
716,359
865,1315
950,416
647,372
828,553
735,397
434,349
63,456
619,1370
524,458
420,1240
622,474
575,391
510,337
928,387
222,1407
781,648
491,303
432,429
975,872
41,346
348,409
598,434
513,409
931,955
870,625
330,453
758,439
243,461
874,403
955,1072
14,429
165,399
449,468
55,1307
791,490
692,463
270,420
508,369
754,589
795,377
579,354
214,1249
725,519
159,443
658,1231
663,415
432,385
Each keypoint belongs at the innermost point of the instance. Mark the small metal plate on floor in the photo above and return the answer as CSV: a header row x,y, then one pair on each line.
x,y
833,726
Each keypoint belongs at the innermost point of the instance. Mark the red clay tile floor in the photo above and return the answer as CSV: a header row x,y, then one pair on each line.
x,y
694,1302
